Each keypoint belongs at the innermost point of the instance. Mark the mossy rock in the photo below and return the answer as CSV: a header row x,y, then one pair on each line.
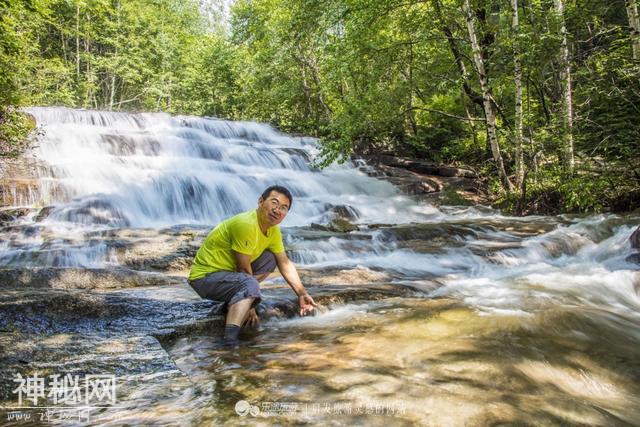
x,y
15,127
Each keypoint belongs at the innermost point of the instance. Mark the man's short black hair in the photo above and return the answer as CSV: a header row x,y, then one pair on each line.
x,y
280,189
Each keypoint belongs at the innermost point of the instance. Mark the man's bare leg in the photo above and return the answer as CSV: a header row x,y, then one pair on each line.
x,y
235,317
251,318
240,312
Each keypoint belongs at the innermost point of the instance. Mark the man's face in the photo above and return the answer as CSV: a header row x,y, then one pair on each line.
x,y
274,208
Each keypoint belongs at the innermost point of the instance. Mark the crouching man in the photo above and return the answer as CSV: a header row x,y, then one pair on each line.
x,y
239,253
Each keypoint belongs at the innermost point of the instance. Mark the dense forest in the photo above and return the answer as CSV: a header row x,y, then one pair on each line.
x,y
541,97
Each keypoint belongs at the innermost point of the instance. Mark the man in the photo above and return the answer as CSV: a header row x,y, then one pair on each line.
x,y
241,252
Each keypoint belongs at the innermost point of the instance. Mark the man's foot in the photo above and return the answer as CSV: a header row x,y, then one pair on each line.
x,y
231,332
231,343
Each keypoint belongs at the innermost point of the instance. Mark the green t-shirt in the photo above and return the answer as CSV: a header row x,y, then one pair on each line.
x,y
240,233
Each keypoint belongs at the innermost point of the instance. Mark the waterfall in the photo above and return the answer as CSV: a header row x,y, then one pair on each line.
x,y
151,170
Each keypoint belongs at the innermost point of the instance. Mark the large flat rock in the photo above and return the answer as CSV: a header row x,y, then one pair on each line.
x,y
148,311
83,278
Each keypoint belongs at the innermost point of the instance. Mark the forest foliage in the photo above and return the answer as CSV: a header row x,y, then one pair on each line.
x,y
542,97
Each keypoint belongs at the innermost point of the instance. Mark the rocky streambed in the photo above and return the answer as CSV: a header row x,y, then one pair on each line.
x,y
393,312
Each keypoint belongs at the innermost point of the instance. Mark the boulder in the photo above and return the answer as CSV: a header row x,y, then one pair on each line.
x,y
340,225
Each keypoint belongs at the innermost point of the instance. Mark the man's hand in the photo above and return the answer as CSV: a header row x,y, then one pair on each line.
x,y
252,318
307,305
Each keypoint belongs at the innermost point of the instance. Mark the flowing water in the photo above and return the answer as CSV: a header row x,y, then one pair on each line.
x,y
495,320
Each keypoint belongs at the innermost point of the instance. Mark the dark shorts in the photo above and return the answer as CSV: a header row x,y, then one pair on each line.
x,y
230,287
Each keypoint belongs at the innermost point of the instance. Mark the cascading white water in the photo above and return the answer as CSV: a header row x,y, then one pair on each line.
x,y
150,170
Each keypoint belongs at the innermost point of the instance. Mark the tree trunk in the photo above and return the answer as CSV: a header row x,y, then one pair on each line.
x,y
457,55
409,115
469,119
63,44
112,93
486,97
78,92
315,75
565,78
78,42
517,74
634,23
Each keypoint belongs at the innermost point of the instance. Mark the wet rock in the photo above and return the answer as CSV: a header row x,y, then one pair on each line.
x,y
426,181
18,181
44,213
339,295
340,225
90,333
81,278
8,215
329,295
337,225
635,239
633,258
408,182
149,311
93,210
297,151
169,250
420,166
345,212
138,362
453,171
423,187
350,277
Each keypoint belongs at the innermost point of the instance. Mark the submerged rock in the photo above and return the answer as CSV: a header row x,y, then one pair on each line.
x,y
139,363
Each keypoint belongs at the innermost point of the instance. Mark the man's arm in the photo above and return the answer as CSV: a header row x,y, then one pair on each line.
x,y
290,274
243,263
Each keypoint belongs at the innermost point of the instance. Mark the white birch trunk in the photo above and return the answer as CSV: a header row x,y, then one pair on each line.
x,y
517,71
78,43
634,23
486,97
112,93
565,77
